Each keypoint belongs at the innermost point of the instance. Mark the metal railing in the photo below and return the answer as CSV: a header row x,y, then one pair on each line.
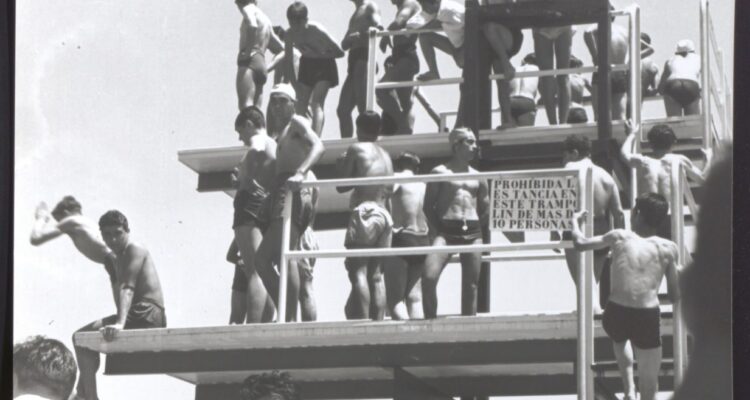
x,y
584,297
716,92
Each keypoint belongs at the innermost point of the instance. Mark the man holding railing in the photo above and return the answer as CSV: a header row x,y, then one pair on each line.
x,y
370,222
256,34
455,211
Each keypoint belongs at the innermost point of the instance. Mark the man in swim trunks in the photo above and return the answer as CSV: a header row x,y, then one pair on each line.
x,y
140,299
317,65
370,223
649,69
298,149
654,172
403,273
448,15
578,85
523,93
680,81
620,80
640,260
354,90
505,43
455,211
401,66
68,220
256,34
608,212
255,175
552,46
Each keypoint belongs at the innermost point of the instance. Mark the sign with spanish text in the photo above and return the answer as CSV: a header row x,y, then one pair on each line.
x,y
533,203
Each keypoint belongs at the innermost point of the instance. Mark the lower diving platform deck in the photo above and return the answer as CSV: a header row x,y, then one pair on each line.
x,y
450,356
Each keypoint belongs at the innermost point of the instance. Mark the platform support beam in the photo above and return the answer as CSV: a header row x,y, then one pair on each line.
x,y
408,387
604,86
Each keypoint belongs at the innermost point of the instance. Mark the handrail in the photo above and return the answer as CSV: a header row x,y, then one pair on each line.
x,y
705,97
692,204
678,236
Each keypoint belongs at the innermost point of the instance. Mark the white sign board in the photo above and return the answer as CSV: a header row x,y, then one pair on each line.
x,y
533,203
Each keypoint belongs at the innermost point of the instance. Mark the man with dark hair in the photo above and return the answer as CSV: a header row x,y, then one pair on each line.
x,y
370,222
354,90
269,386
256,35
578,85
680,82
255,174
68,220
140,300
43,369
456,212
608,212
654,172
523,93
403,273
317,65
640,260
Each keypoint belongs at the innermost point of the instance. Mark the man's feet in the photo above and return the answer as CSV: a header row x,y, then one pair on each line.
x,y
503,127
428,76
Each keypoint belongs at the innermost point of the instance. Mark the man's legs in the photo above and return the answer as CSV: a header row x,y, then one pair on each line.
x,y
624,355
544,51
619,106
395,269
377,288
268,255
429,42
317,104
563,45
414,291
471,265
649,362
249,238
346,106
303,99
434,264
246,96
501,40
306,294
88,361
358,303
693,108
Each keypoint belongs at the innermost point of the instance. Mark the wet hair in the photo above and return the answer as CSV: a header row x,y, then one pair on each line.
x,y
297,11
45,362
253,115
114,218
530,59
577,116
369,122
280,32
69,204
407,160
661,137
274,383
575,62
652,207
580,143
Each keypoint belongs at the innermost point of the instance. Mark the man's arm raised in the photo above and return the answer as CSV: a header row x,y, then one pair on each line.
x,y
615,206
627,150
583,243
301,127
135,256
44,229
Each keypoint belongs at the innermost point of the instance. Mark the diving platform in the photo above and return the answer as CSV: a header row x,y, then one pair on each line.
x,y
455,356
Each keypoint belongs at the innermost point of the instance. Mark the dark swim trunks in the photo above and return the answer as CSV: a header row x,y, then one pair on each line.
x,y
405,58
639,325
248,205
239,282
520,105
255,62
356,55
454,233
143,314
620,81
577,116
684,91
303,209
407,238
314,70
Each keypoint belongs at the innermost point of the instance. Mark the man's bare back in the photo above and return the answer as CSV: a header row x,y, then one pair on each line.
x,y
85,236
370,160
313,41
605,187
525,87
406,206
684,67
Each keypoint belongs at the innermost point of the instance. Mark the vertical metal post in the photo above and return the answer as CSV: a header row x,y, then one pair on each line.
x,y
283,262
636,90
678,334
705,95
371,46
604,86
584,301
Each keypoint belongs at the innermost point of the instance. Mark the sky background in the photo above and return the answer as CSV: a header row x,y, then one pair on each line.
x,y
108,92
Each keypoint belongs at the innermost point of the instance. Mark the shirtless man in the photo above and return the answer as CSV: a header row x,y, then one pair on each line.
x,y
578,85
370,223
455,211
298,149
68,220
401,66
649,69
448,15
256,34
255,175
552,46
640,260
140,299
354,91
680,82
654,172
403,273
317,65
618,54
608,212
523,93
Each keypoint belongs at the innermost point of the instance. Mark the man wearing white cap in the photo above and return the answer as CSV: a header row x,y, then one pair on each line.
x,y
298,149
680,81
455,211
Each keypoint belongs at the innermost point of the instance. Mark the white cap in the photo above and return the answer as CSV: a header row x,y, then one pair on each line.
x,y
685,46
285,89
